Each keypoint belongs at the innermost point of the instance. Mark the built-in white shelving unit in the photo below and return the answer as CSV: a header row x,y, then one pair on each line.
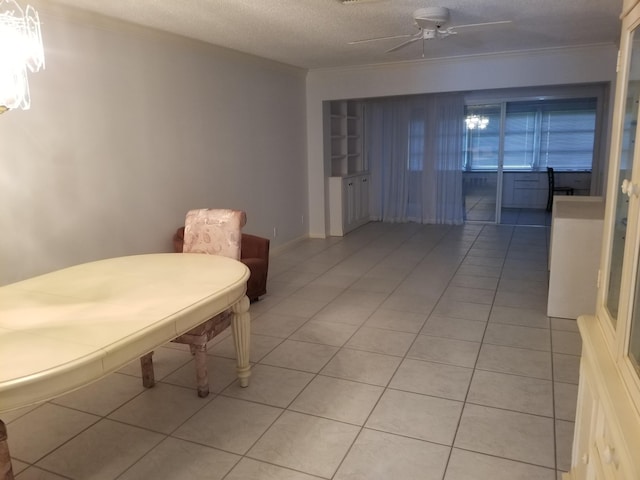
x,y
348,184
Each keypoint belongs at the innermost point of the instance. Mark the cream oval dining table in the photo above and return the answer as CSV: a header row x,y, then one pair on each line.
x,y
62,330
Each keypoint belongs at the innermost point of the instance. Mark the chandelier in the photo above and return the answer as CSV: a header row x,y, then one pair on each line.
x,y
20,51
476,121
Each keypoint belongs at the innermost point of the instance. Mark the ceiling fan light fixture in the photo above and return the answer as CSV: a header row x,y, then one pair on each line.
x,y
431,16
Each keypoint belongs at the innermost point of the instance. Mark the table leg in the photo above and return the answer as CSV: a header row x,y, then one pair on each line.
x,y
146,364
241,329
6,472
202,375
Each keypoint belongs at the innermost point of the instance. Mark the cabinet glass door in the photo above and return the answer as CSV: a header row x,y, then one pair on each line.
x,y
627,146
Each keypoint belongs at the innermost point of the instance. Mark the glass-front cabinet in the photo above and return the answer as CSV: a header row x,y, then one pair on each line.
x,y
607,433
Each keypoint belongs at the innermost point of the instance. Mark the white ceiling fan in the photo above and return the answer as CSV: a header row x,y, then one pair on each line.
x,y
430,22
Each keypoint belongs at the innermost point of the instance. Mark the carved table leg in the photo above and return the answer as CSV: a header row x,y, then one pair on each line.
x,y
202,376
241,329
148,377
6,472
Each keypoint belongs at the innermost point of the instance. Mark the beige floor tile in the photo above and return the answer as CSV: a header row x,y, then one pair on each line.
x,y
104,396
471,281
566,368
533,301
518,336
162,408
276,325
481,260
468,311
333,279
377,340
444,350
249,469
516,285
382,456
395,320
298,307
566,399
35,473
565,324
360,299
360,366
306,443
273,386
502,433
467,294
173,459
480,271
435,379
338,399
344,313
417,416
410,302
45,428
326,333
317,292
564,442
103,451
519,316
512,392
18,466
569,343
464,465
517,361
456,328
309,357
375,284
10,416
229,424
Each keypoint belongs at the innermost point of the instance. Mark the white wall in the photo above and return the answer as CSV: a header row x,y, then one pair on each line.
x,y
130,128
548,67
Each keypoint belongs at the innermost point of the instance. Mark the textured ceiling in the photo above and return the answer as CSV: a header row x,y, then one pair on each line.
x,y
315,33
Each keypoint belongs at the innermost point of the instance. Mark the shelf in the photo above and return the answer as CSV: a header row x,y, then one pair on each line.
x,y
346,137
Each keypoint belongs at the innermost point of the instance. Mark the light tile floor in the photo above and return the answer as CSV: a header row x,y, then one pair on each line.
x,y
398,351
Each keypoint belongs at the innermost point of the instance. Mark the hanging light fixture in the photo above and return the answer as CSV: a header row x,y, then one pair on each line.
x,y
20,50
476,121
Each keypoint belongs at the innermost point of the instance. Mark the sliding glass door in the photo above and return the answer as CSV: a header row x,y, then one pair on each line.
x,y
508,147
482,150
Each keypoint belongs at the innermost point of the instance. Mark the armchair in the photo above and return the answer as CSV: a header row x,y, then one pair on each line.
x,y
254,253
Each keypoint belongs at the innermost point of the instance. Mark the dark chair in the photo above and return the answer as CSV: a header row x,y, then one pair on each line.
x,y
553,189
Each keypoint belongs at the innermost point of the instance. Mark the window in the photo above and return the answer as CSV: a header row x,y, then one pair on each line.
x,y
537,135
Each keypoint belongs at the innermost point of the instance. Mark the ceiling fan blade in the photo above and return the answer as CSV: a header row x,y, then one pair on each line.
x,y
453,28
404,44
375,39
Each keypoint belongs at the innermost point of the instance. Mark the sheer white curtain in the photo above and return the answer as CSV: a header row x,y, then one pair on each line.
x,y
414,147
387,133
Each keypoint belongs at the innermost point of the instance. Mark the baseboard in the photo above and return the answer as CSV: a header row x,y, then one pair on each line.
x,y
275,251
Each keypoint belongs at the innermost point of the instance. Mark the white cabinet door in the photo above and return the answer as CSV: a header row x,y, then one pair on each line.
x,y
348,203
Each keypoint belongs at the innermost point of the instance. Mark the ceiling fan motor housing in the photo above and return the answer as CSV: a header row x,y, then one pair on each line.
x,y
431,17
